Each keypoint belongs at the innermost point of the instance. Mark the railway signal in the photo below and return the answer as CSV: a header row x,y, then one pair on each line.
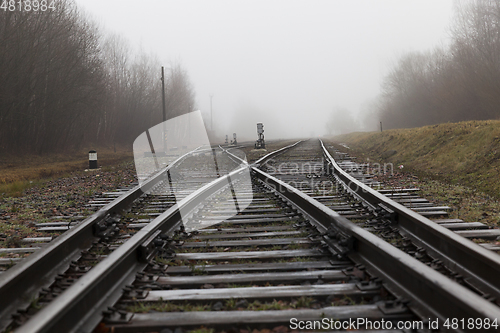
x,y
260,143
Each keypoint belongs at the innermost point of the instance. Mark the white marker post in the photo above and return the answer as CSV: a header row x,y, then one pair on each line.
x,y
92,159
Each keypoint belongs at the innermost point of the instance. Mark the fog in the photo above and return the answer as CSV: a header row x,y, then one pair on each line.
x,y
288,64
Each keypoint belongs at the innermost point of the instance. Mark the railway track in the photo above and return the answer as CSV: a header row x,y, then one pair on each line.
x,y
298,243
483,234
56,266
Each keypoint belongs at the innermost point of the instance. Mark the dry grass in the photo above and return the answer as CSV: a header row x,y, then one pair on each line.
x,y
465,153
20,172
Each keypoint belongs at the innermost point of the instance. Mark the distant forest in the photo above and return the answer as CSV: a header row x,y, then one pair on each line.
x,y
456,83
65,84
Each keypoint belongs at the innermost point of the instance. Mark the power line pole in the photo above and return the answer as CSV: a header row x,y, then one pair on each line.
x,y
163,93
164,110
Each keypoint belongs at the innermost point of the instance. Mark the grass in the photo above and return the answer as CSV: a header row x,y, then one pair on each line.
x,y
16,188
345,300
229,305
19,172
144,307
465,153
457,164
466,203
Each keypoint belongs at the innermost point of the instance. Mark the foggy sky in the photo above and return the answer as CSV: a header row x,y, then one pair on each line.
x,y
286,63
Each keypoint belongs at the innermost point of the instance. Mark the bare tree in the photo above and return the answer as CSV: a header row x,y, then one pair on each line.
x,y
49,65
180,95
454,84
62,84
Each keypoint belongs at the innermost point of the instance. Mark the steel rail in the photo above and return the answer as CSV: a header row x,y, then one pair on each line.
x,y
78,309
264,158
431,293
456,252
21,283
275,153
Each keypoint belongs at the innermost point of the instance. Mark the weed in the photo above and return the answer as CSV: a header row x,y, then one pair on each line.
x,y
161,260
200,270
230,304
142,307
304,302
345,300
34,303
274,305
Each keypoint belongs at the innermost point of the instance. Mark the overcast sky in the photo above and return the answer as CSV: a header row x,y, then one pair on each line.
x,y
286,63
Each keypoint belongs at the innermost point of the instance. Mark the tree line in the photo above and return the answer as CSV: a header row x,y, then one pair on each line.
x,y
448,84
65,84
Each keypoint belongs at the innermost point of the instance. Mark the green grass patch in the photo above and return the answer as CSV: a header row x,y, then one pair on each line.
x,y
465,153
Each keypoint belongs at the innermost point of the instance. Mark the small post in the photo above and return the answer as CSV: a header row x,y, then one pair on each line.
x,y
234,141
380,126
227,140
92,159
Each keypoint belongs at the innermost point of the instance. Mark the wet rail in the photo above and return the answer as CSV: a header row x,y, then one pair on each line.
x,y
54,267
293,241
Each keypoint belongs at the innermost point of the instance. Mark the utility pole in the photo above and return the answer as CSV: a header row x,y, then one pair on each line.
x,y
189,123
164,110
380,126
163,93
211,114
